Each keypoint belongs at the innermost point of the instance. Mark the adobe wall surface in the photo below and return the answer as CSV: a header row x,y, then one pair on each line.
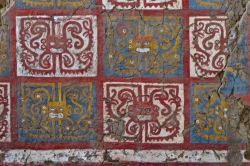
x,y
124,82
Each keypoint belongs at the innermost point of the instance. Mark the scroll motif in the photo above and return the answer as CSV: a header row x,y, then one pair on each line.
x,y
149,47
208,37
56,46
146,113
50,112
142,4
209,115
4,112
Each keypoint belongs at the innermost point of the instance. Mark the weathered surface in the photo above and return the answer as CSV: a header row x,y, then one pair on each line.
x,y
124,82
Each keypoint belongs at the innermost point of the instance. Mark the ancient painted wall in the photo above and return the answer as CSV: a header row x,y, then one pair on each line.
x,y
124,82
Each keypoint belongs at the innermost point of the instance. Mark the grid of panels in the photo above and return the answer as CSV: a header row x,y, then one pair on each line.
x,y
143,75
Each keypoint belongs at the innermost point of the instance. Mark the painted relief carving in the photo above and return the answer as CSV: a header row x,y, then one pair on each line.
x,y
146,113
209,115
4,112
56,112
136,47
56,46
142,4
208,37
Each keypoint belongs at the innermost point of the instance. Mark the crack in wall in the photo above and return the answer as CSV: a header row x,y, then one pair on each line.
x,y
236,12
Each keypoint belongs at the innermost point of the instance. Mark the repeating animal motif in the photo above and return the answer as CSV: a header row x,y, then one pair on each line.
x,y
56,46
4,112
148,47
141,112
50,112
208,40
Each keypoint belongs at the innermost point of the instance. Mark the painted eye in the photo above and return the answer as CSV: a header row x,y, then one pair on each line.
x,y
52,109
61,109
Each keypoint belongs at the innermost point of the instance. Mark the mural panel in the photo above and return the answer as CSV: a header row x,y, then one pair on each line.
x,y
5,135
143,112
208,115
208,42
57,112
56,46
150,47
35,3
4,47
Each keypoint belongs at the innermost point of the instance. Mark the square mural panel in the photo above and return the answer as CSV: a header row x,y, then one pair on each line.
x,y
208,42
59,46
57,112
149,48
5,135
145,112
208,115
142,4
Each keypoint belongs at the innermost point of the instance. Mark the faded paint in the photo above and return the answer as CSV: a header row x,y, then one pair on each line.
x,y
152,82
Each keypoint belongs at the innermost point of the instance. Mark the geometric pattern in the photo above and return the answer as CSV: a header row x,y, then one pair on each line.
x,y
138,47
56,46
5,112
56,112
143,112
